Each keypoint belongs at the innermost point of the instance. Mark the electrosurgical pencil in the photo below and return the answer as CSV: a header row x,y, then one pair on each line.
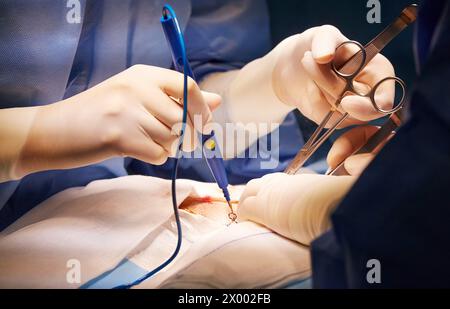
x,y
210,149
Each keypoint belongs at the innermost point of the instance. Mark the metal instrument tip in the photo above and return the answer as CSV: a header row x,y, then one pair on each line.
x,y
232,215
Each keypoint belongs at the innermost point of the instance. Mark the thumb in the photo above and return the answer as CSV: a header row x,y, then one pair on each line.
x,y
212,100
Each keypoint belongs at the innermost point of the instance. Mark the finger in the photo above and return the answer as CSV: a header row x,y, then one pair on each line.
x,y
378,69
190,139
318,107
344,53
323,76
164,108
145,149
248,210
169,138
212,100
157,131
254,204
360,108
326,39
385,95
348,143
254,186
172,84
356,164
251,189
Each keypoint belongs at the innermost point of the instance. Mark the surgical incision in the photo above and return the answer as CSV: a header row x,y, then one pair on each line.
x,y
213,208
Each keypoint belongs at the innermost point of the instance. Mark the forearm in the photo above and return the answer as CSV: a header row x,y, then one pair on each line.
x,y
250,102
248,94
43,138
15,126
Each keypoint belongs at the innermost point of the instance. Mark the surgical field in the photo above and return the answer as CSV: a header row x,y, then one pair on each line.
x,y
117,230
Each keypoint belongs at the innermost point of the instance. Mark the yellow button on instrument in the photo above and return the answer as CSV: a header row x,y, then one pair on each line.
x,y
210,144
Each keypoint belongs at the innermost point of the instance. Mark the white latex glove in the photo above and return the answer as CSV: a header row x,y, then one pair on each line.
x,y
297,74
303,77
348,143
130,114
297,207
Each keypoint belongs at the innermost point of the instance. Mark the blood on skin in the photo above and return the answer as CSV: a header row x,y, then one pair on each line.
x,y
204,199
194,200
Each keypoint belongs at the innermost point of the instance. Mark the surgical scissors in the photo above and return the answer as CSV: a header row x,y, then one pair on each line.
x,y
348,71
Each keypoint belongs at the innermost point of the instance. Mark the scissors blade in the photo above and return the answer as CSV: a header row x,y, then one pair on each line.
x,y
376,45
300,159
306,152
407,17
392,124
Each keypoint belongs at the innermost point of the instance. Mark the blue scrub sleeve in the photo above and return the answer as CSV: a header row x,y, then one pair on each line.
x,y
224,35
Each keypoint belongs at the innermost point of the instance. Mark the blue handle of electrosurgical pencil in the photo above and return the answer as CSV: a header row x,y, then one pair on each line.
x,y
214,161
216,164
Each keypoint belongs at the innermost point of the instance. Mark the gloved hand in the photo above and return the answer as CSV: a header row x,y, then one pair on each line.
x,y
303,78
297,207
296,74
130,114
348,143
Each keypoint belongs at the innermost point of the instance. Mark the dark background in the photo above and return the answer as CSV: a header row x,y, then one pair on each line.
x,y
289,17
